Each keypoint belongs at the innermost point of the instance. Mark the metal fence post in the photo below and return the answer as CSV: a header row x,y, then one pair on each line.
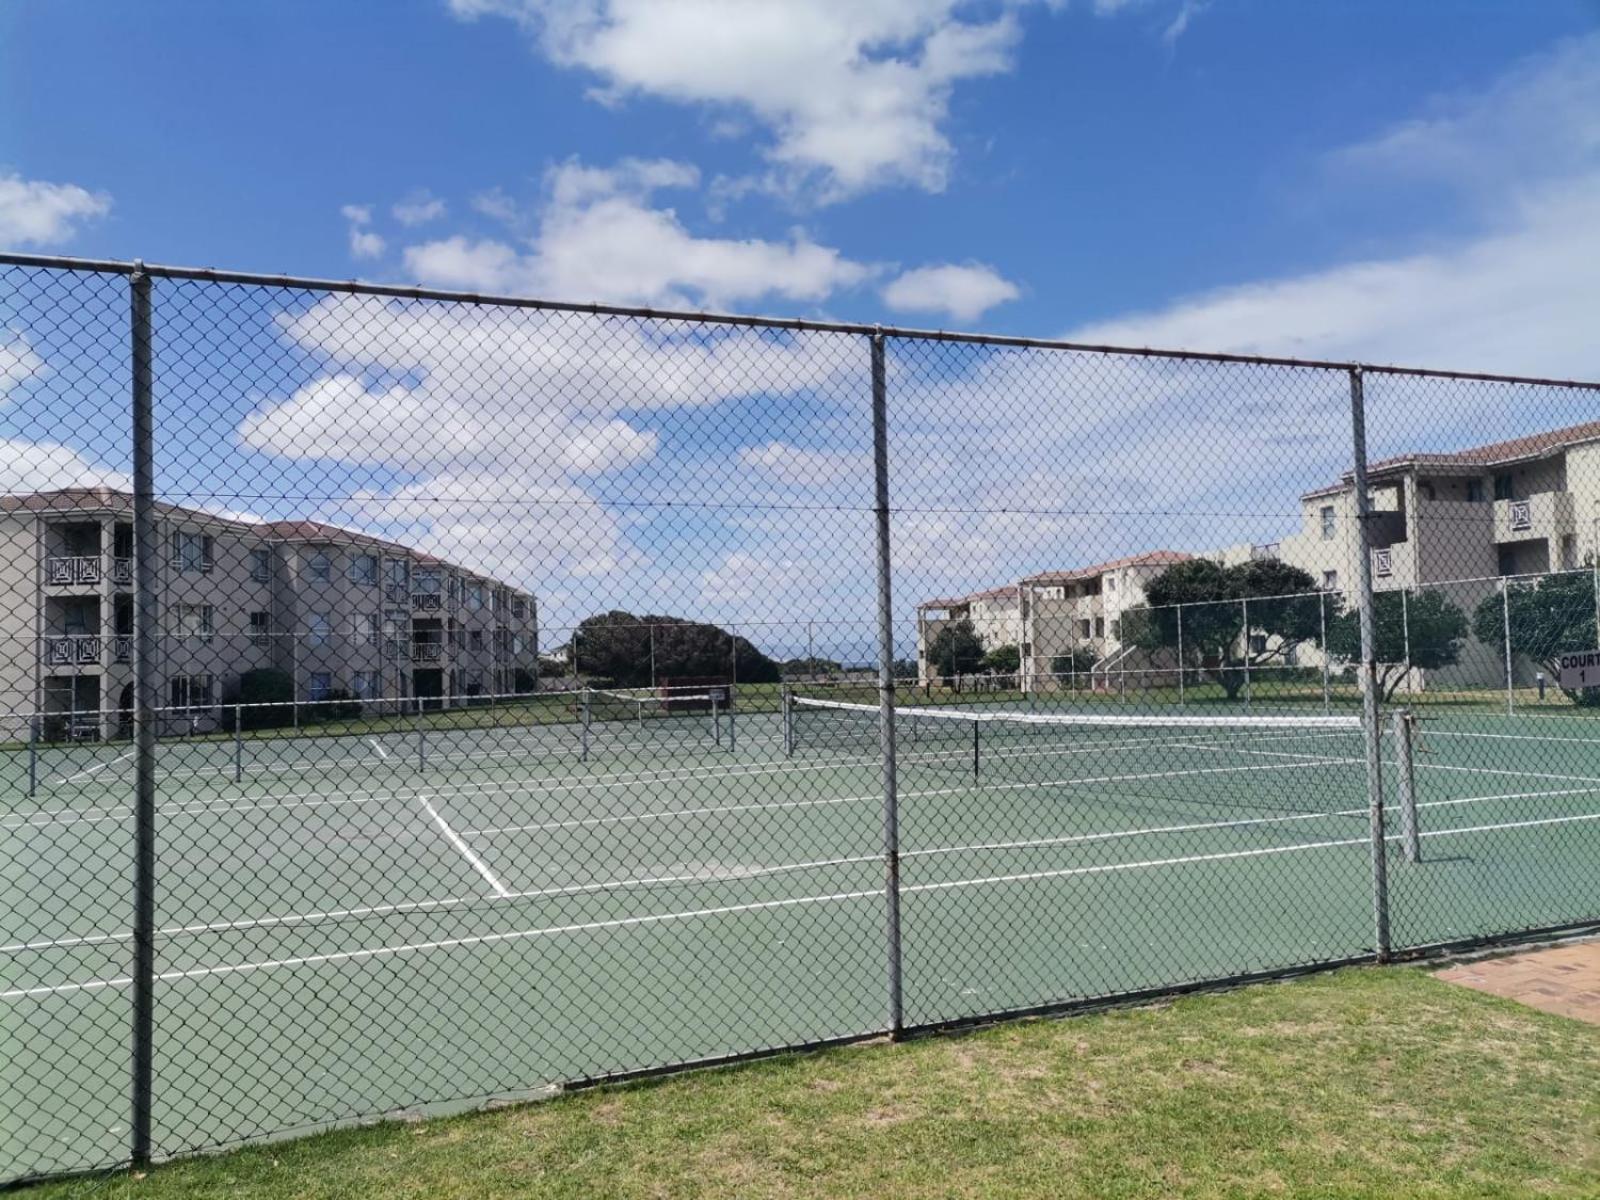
x,y
886,719
146,699
1405,634
1505,619
238,743
33,754
788,721
1371,733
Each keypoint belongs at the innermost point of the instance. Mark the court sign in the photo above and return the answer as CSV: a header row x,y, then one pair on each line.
x,y
1579,670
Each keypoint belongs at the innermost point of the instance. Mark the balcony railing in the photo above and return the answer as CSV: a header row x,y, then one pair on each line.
x,y
395,648
122,571
1549,515
1264,552
426,602
122,648
427,651
73,650
67,570
1383,562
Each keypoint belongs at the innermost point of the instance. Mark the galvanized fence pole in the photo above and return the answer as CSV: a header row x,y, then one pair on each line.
x,y
886,720
1244,616
1180,657
1405,634
1371,732
33,753
146,684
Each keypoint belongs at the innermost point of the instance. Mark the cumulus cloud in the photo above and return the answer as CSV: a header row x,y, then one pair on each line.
x,y
35,212
599,237
18,363
418,209
45,466
962,291
364,243
854,93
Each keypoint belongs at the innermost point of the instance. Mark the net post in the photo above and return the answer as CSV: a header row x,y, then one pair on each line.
x,y
1370,730
145,675
422,739
1404,728
1505,626
583,722
1180,657
238,743
787,708
1244,615
886,698
1322,624
33,753
1405,634
716,719
733,721
977,750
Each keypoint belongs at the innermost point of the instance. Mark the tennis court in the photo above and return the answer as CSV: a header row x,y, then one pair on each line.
x,y
379,922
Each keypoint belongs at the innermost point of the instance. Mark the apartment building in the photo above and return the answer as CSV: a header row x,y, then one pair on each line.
x,y
1049,614
341,612
1456,522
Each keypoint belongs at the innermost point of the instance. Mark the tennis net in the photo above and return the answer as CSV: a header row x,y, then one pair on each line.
x,y
999,744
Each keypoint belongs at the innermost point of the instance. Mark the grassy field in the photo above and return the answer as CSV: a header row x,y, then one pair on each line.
x,y
1359,1083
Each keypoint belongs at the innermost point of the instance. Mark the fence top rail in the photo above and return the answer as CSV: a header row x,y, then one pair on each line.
x,y
797,324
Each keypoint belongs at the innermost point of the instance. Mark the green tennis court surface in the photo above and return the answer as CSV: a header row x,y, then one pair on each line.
x,y
379,922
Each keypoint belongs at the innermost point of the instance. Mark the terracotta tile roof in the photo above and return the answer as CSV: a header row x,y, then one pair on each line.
x,y
1152,558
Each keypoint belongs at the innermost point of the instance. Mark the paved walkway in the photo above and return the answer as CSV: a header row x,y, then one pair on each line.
x,y
1561,979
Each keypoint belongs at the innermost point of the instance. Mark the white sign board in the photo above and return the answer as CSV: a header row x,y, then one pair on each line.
x,y
1580,670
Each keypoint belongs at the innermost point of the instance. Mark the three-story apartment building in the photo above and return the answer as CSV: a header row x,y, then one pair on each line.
x,y
341,612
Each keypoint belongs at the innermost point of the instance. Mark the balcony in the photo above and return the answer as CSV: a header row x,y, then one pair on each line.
x,y
72,570
122,648
395,648
122,572
427,651
73,650
1544,516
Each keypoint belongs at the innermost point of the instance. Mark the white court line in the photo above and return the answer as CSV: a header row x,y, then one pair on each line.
x,y
466,851
453,901
84,774
373,742
661,918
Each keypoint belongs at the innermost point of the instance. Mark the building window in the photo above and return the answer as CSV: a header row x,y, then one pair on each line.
x,y
1328,523
1569,551
475,639
319,565
474,596
261,565
260,628
364,685
1475,491
319,627
1507,560
1426,490
364,569
1330,581
191,691
472,683
519,609
1111,583
1100,627
191,552
1085,629
1504,488
319,685
195,624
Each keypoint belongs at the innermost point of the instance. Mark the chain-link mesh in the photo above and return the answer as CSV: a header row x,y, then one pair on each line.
x,y
515,690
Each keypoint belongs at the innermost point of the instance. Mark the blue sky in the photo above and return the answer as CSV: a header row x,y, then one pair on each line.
x,y
1398,182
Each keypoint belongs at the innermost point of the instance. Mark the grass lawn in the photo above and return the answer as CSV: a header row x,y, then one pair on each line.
x,y
1358,1083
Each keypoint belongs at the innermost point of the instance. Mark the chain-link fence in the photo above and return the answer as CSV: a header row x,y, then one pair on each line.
x,y
411,700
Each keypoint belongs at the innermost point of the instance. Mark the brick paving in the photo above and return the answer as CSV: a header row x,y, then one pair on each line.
x,y
1560,979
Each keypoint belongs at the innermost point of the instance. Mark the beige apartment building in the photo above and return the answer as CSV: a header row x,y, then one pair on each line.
x,y
1457,522
343,613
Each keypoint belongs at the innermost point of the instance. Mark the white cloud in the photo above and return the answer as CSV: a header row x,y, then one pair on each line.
x,y
34,212
418,209
599,238
18,363
364,243
964,291
45,466
855,93
496,205
1179,25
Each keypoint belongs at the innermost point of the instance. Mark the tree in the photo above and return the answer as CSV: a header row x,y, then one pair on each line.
x,y
1423,625
800,668
955,650
1079,661
622,647
1003,660
267,697
1549,617
1282,601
